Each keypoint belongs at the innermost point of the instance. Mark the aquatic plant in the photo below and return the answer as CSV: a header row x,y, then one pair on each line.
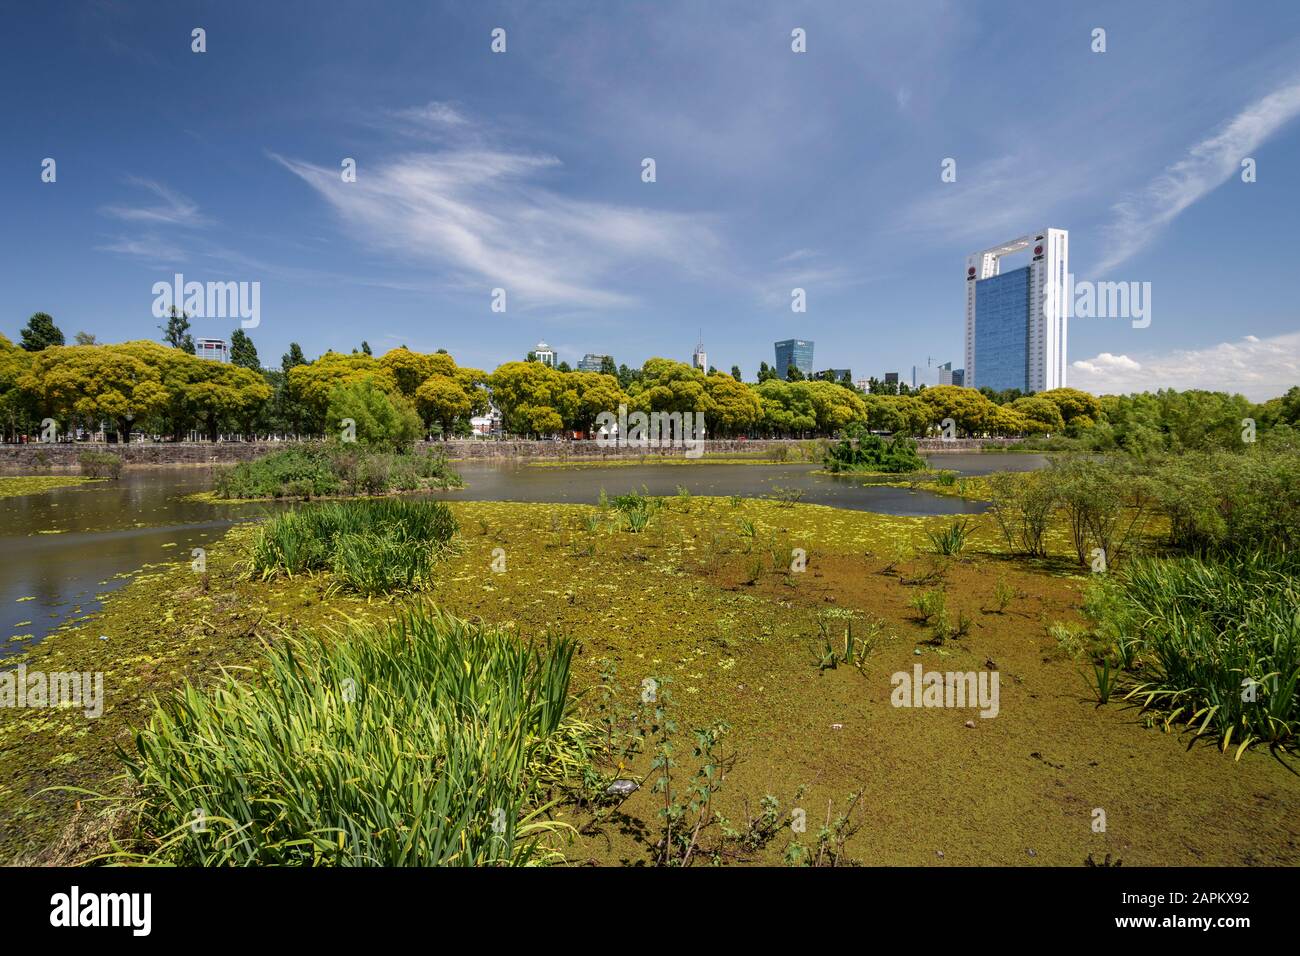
x,y
1219,640
951,540
371,546
1101,680
427,742
849,650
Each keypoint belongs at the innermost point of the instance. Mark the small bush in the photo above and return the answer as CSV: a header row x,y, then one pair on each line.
x,y
100,464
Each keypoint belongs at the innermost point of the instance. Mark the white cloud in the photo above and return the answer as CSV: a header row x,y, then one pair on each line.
x,y
432,113
481,217
150,248
1207,165
1257,368
171,208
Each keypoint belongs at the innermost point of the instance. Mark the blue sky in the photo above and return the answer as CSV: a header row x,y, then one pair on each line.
x,y
522,170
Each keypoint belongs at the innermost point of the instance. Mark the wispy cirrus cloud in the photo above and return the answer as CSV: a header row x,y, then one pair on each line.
x,y
482,216
1208,164
1259,368
151,249
168,208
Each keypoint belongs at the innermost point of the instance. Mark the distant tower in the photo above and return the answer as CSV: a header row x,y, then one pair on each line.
x,y
700,358
545,354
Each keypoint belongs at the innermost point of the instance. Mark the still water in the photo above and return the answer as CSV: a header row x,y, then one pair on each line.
x,y
61,549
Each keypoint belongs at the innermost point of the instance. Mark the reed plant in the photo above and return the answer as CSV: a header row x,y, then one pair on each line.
x,y
1217,640
427,742
371,546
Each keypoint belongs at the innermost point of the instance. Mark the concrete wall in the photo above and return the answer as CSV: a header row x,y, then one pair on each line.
x,y
38,456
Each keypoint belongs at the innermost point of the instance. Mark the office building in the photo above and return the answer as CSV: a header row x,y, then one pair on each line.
x,y
544,354
214,349
1016,321
796,352
591,362
891,378
700,358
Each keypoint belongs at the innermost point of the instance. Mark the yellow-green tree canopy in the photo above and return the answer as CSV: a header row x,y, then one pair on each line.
x,y
1043,414
971,412
1073,404
119,383
737,408
313,384
668,386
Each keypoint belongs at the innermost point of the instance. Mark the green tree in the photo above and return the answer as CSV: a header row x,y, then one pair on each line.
x,y
737,408
735,373
1043,414
176,332
443,400
243,352
380,415
40,333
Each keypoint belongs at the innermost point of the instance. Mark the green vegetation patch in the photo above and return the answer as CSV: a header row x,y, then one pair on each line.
x,y
426,742
860,451
375,546
335,469
35,485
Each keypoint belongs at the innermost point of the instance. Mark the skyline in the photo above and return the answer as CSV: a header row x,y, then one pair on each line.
x,y
774,170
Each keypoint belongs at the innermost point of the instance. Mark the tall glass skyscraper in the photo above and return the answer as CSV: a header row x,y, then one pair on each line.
x,y
794,352
1015,321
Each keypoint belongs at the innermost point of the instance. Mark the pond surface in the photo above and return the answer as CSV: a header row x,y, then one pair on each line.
x,y
61,549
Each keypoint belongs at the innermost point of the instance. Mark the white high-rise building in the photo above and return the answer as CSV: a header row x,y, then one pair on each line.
x,y
1016,321
544,354
214,349
700,358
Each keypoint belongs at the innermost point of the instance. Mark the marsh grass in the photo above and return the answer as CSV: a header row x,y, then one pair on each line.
x,y
1218,641
371,546
428,742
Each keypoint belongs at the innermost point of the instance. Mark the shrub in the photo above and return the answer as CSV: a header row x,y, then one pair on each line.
x,y
100,464
859,450
1022,505
335,468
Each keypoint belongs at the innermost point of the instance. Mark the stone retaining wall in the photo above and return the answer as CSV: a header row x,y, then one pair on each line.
x,y
40,456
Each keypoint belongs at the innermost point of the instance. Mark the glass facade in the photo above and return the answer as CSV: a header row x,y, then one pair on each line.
x,y
1002,312
794,352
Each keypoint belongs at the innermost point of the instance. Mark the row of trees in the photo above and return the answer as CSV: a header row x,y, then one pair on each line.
x,y
165,390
